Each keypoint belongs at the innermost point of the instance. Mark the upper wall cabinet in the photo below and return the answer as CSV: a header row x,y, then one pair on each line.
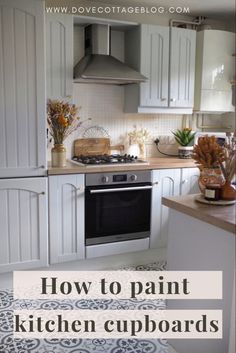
x,y
167,58
22,89
182,67
154,65
59,54
215,68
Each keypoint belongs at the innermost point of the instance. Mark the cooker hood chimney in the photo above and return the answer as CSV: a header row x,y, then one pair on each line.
x,y
98,66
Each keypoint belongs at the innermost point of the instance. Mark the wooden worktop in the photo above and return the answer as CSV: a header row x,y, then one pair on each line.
x,y
220,216
153,163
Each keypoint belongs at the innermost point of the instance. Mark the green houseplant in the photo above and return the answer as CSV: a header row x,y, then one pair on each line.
x,y
184,138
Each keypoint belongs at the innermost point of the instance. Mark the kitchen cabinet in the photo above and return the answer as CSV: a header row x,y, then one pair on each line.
x,y
155,42
23,220
215,68
66,218
182,67
167,58
166,183
22,89
189,181
59,55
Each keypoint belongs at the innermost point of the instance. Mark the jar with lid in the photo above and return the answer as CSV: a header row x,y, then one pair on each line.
x,y
212,192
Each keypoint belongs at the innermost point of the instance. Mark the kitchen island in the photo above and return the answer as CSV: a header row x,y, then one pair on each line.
x,y
202,238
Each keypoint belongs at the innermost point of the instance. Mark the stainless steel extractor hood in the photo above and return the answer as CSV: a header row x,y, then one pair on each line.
x,y
98,66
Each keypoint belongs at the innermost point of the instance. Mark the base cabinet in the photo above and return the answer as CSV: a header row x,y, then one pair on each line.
x,y
66,218
166,183
189,181
23,223
169,182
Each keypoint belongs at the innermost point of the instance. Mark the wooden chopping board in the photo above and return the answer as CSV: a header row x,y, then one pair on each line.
x,y
94,146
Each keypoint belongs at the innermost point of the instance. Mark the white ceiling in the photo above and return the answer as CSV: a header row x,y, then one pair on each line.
x,y
212,8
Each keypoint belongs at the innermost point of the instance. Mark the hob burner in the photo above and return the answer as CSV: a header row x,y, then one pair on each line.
x,y
107,159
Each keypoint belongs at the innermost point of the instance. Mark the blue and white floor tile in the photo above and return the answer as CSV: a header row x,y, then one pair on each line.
x,y
10,345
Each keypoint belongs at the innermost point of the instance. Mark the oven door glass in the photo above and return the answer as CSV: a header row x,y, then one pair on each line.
x,y
117,213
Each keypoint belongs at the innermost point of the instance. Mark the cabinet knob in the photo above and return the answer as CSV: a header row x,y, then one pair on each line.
x,y
173,99
163,99
105,179
156,183
185,181
133,177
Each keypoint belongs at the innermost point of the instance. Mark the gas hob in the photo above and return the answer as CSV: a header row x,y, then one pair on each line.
x,y
107,160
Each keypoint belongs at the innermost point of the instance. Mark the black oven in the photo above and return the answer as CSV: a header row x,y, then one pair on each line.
x,y
117,207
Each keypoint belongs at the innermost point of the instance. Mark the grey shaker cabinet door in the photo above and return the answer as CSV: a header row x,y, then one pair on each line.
x,y
59,55
66,218
22,89
154,65
182,67
166,183
23,224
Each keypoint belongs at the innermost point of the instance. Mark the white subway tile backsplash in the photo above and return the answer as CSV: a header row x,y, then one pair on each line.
x,y
104,105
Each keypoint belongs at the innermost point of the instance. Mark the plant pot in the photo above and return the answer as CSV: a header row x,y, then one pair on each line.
x,y
58,155
228,192
185,152
210,176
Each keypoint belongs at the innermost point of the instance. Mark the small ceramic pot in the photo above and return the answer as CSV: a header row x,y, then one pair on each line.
x,y
185,152
228,192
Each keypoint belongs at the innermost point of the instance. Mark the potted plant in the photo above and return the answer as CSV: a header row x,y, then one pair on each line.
x,y
209,155
185,139
62,121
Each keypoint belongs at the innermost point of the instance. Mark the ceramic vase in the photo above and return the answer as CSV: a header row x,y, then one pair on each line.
x,y
228,192
209,176
133,150
58,155
142,150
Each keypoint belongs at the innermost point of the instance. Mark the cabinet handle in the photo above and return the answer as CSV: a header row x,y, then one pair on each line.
x,y
163,99
80,188
42,167
28,190
185,181
173,99
155,183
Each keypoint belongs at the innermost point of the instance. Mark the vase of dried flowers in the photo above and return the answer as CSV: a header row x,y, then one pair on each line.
x,y
62,121
208,155
228,167
137,138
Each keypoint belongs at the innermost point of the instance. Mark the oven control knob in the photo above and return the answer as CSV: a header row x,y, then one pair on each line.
x,y
105,179
133,177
